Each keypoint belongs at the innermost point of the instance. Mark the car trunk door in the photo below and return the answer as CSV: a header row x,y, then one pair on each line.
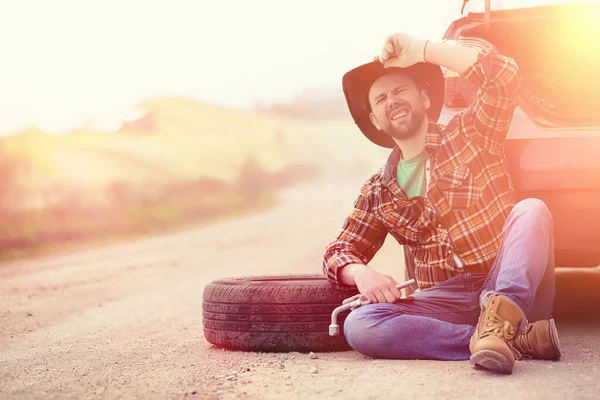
x,y
553,146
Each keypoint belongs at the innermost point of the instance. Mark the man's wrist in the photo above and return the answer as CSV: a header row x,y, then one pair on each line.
x,y
418,47
425,51
348,273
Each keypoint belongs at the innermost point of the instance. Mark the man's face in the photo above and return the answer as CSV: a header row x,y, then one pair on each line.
x,y
398,106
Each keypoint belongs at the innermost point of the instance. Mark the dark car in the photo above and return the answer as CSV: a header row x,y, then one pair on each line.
x,y
553,145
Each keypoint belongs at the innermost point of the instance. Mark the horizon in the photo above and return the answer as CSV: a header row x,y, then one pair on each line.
x,y
74,62
71,62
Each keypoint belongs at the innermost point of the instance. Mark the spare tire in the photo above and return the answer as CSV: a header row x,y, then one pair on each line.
x,y
274,313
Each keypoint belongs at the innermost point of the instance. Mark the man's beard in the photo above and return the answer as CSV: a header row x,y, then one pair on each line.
x,y
407,128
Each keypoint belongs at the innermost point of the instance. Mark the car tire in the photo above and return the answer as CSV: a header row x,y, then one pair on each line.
x,y
274,313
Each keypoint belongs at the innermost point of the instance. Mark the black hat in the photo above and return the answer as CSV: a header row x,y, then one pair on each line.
x,y
357,82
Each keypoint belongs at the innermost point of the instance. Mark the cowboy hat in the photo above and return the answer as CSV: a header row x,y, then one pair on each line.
x,y
357,82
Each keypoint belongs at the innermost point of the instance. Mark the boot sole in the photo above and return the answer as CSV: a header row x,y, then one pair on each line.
x,y
492,361
554,338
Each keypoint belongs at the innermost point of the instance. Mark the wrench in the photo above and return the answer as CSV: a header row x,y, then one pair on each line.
x,y
354,302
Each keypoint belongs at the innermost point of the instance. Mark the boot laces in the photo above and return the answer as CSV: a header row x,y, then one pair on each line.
x,y
523,342
504,330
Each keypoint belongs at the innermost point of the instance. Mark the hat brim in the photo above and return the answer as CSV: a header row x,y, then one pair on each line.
x,y
357,82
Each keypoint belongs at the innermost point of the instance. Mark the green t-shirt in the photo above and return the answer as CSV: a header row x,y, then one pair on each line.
x,y
411,175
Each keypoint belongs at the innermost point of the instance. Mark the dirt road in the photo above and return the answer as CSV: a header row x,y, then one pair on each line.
x,y
125,321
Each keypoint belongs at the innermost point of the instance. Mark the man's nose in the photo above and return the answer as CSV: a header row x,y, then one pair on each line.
x,y
392,100
392,97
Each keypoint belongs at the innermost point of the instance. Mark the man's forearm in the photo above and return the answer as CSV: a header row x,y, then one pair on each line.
x,y
347,273
454,57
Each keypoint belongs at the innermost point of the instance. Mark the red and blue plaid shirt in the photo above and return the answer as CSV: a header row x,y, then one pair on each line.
x,y
457,226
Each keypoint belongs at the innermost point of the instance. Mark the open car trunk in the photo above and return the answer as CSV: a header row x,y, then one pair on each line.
x,y
557,49
553,144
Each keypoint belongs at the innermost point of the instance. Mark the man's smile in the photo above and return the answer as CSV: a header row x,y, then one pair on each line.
x,y
398,114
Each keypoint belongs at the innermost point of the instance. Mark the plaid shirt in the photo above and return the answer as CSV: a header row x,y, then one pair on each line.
x,y
457,226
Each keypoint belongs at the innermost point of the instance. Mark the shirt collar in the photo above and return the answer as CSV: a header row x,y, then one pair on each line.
x,y
432,144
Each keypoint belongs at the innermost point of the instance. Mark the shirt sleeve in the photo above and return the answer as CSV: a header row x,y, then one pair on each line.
x,y
361,236
488,118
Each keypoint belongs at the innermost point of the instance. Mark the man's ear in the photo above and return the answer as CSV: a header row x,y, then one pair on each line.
x,y
426,99
374,121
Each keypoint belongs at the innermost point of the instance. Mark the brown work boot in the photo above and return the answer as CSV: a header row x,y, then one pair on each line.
x,y
492,343
540,340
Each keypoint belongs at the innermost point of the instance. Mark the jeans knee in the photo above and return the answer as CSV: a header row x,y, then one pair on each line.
x,y
534,208
367,329
356,328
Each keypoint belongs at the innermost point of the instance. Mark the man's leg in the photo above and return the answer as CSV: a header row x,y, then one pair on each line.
x,y
524,268
436,325
519,287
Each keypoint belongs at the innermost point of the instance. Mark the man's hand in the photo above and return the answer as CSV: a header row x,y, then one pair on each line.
x,y
401,50
379,288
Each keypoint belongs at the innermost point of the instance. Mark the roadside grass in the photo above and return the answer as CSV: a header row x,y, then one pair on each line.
x,y
186,163
31,233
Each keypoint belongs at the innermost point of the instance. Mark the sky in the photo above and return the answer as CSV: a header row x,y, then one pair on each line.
x,y
65,62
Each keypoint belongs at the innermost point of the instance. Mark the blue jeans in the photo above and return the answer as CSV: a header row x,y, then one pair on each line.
x,y
440,321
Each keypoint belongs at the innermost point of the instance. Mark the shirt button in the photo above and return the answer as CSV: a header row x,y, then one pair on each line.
x,y
439,225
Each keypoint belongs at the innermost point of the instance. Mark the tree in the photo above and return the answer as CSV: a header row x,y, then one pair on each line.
x,y
252,179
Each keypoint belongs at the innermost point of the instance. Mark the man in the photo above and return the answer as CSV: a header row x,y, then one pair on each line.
x,y
484,265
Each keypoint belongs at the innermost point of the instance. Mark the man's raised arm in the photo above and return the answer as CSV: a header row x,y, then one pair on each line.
x,y
488,118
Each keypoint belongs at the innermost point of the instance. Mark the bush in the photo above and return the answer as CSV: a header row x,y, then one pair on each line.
x,y
252,180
